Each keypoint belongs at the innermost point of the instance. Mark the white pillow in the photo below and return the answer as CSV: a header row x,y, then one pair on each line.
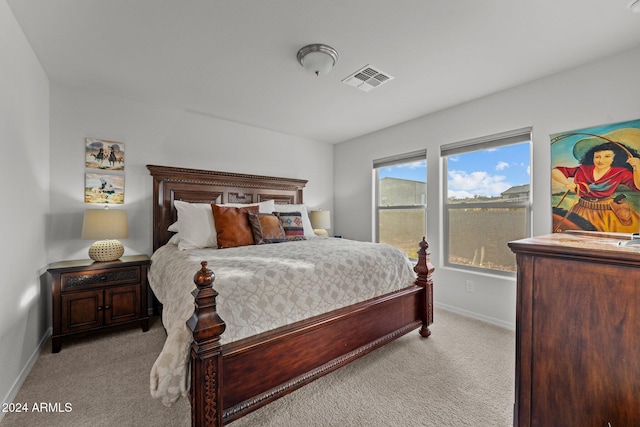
x,y
268,206
195,225
174,240
306,222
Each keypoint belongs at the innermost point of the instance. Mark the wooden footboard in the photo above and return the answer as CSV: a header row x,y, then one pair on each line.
x,y
230,381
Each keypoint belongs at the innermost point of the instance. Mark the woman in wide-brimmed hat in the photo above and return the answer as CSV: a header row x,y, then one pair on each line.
x,y
606,162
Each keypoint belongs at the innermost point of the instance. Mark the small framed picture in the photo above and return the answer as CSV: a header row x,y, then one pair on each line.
x,y
103,154
103,188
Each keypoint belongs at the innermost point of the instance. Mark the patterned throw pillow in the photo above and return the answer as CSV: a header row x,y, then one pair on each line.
x,y
292,225
266,228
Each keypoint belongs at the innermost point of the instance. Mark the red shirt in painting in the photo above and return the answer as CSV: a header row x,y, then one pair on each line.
x,y
602,188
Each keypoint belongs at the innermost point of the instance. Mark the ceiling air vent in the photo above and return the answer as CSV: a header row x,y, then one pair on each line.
x,y
367,78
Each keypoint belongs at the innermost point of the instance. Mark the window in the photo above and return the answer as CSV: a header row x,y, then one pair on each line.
x,y
487,200
401,200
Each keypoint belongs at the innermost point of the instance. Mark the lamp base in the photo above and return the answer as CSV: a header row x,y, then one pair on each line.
x,y
106,250
320,232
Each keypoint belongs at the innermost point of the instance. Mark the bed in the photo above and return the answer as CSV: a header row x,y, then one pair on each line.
x,y
232,377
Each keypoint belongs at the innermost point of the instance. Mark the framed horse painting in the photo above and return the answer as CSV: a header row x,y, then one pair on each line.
x,y
103,154
104,188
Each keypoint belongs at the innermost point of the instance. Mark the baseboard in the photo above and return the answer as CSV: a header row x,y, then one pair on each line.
x,y
491,320
15,388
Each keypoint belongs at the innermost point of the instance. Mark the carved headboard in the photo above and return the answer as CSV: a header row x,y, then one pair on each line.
x,y
203,186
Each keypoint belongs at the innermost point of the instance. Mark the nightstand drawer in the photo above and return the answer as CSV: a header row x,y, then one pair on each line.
x,y
114,276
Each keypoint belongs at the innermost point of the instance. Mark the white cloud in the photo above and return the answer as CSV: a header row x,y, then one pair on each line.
x,y
415,165
462,184
501,166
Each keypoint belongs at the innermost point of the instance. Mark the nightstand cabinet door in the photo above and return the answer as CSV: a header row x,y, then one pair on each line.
x,y
82,311
121,304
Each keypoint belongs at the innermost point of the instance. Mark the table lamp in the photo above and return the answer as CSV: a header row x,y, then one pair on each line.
x,y
320,221
107,225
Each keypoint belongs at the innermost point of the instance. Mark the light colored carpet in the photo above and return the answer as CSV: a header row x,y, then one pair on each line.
x,y
460,376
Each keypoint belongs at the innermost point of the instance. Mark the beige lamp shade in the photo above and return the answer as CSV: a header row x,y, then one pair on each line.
x,y
320,221
108,226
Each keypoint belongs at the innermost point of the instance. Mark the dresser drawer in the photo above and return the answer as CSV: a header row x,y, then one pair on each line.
x,y
114,276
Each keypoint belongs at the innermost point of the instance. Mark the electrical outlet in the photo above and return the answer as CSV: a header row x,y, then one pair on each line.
x,y
470,286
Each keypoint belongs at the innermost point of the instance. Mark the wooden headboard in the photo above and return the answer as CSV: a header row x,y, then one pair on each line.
x,y
203,186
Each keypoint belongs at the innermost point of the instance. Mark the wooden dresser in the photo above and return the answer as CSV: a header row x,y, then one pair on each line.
x,y
90,296
577,332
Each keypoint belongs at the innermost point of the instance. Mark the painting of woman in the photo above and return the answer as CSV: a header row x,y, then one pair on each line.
x,y
600,192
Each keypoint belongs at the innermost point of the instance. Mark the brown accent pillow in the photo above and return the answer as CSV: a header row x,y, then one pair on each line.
x,y
266,228
232,225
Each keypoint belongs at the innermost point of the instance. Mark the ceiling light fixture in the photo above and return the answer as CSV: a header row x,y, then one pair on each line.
x,y
317,59
635,6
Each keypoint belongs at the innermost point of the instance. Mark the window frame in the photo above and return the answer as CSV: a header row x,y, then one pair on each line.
x,y
503,139
414,156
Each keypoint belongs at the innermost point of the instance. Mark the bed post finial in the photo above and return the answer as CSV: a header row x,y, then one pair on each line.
x,y
204,277
206,361
424,269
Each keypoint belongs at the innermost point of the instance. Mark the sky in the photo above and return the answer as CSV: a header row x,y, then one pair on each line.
x,y
482,173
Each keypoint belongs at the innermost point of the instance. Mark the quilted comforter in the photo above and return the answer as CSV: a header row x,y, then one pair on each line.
x,y
262,287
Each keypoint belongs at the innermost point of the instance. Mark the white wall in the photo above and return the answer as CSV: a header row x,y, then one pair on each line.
x,y
601,92
43,130
162,136
24,132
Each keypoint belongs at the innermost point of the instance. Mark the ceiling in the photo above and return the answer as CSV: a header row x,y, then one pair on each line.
x,y
236,60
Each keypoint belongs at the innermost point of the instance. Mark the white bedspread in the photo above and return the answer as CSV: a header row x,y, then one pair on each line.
x,y
262,287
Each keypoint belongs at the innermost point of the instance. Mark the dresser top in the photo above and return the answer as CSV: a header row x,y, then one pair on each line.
x,y
602,245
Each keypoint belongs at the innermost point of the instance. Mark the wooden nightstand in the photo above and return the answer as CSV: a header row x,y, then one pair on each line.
x,y
91,296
